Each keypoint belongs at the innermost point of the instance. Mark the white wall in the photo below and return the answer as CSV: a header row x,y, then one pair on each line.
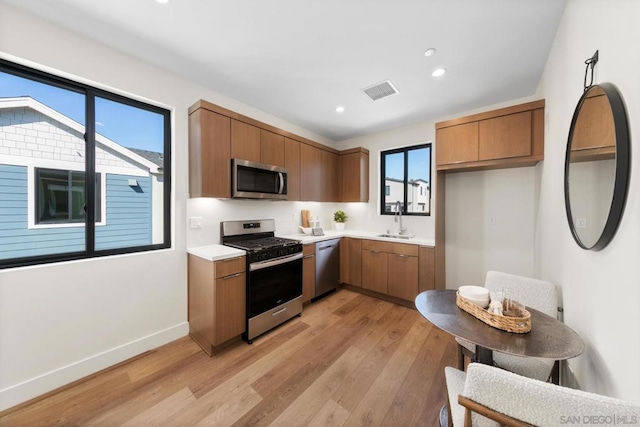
x,y
601,290
61,322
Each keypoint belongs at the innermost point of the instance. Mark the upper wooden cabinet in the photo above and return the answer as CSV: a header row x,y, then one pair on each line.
x,y
505,136
355,175
209,154
457,144
245,141
310,173
292,164
271,148
331,177
314,171
508,137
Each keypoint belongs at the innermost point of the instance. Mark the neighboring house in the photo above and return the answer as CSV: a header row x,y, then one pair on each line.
x,y
42,163
418,195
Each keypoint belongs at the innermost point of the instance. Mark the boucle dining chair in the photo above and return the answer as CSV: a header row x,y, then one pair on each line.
x,y
538,294
489,396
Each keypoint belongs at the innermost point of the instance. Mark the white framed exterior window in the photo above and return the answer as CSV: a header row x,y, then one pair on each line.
x,y
57,198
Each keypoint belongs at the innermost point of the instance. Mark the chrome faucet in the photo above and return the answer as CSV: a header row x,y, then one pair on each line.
x,y
398,214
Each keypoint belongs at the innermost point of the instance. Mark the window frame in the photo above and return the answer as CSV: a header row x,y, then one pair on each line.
x,y
90,93
33,195
382,189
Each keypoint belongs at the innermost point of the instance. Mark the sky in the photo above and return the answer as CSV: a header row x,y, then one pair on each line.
x,y
419,163
128,126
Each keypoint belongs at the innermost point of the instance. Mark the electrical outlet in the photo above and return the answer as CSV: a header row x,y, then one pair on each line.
x,y
581,222
195,222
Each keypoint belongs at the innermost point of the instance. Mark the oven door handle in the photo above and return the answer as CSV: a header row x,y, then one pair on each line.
x,y
273,262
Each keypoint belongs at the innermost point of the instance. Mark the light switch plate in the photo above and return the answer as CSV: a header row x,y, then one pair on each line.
x,y
195,222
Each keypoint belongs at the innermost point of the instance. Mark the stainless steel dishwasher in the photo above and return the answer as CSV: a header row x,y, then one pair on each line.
x,y
327,266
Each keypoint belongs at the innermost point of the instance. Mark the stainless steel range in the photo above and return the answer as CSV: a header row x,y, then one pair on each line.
x,y
274,278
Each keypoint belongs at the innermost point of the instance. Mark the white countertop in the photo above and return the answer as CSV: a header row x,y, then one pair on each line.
x,y
219,252
371,235
215,252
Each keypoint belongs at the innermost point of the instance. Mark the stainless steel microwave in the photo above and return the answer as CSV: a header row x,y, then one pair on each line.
x,y
252,180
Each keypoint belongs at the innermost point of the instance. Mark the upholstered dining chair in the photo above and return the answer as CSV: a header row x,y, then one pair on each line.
x,y
489,396
538,294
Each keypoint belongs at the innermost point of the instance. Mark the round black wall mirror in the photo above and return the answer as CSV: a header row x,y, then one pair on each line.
x,y
596,169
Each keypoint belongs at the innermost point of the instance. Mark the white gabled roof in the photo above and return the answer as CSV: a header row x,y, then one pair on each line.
x,y
28,102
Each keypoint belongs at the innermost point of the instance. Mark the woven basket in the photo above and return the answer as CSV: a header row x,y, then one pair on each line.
x,y
517,325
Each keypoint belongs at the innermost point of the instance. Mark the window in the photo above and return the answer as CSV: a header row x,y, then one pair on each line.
x,y
407,180
60,197
63,143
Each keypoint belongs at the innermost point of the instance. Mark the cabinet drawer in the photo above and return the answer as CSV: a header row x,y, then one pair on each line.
x,y
404,249
376,245
230,266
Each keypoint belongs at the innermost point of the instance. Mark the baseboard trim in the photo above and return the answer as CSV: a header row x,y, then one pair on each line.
x,y
53,380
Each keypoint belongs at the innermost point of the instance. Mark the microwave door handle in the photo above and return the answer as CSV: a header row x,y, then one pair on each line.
x,y
281,179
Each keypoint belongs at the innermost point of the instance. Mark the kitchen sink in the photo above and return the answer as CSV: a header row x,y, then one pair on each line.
x,y
397,236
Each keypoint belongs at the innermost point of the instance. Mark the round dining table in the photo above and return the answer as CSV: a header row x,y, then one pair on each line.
x,y
549,338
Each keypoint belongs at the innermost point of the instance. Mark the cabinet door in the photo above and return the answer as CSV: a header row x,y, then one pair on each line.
x,y
505,136
355,262
457,144
230,306
308,272
209,154
402,281
355,177
292,164
345,265
245,141
310,173
271,148
374,270
426,269
330,178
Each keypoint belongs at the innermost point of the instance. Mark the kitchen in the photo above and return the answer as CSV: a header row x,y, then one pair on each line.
x,y
154,311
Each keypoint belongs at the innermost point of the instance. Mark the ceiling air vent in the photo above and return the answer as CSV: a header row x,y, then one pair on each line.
x,y
380,90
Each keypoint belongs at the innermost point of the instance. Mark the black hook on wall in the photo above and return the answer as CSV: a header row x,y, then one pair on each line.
x,y
591,63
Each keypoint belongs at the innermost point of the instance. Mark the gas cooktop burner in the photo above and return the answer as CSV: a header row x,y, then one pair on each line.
x,y
263,243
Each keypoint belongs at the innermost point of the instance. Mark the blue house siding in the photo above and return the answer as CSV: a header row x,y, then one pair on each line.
x,y
16,240
128,213
128,218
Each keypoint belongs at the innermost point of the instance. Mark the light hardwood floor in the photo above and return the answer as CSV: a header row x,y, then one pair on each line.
x,y
349,360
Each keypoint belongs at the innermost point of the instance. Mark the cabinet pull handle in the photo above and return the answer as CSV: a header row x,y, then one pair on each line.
x,y
374,252
232,276
231,259
309,256
403,256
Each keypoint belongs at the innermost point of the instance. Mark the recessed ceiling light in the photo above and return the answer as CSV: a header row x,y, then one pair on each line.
x,y
339,109
163,1
430,52
438,72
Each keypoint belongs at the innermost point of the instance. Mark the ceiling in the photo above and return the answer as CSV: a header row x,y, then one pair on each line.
x,y
300,59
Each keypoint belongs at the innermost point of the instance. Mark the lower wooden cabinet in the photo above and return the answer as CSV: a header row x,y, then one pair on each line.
x,y
351,261
308,272
426,268
217,301
390,268
402,276
374,270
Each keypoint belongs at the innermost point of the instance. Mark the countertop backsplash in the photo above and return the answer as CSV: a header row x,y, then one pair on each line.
x,y
209,212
